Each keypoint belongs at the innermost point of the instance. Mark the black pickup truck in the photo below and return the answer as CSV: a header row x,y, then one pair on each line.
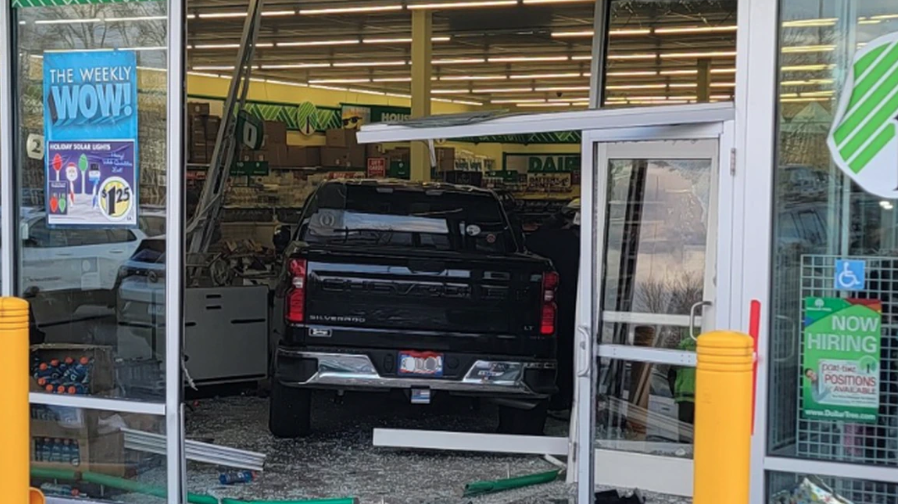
x,y
421,287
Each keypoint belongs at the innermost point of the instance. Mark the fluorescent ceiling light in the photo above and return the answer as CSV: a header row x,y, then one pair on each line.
x,y
885,16
709,54
573,75
201,74
366,91
538,2
392,79
399,95
329,88
461,5
472,77
637,86
644,56
457,61
339,81
504,90
809,49
730,70
723,84
630,31
674,85
401,40
287,83
563,88
818,93
678,72
695,29
279,13
135,19
801,23
572,100
216,46
804,99
449,91
387,40
318,43
285,66
66,21
646,73
572,34
221,15
350,10
523,59
212,68
809,82
338,64
467,102
518,100
807,68
581,58
544,104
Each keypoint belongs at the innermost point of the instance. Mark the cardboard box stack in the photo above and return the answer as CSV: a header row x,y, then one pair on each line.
x,y
203,130
342,150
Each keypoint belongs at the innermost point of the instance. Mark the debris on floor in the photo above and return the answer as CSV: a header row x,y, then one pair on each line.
x,y
479,488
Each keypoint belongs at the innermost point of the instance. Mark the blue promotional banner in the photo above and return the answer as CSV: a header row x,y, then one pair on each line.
x,y
90,125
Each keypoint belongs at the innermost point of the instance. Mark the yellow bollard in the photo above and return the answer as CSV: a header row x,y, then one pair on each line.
x,y
35,496
15,456
723,418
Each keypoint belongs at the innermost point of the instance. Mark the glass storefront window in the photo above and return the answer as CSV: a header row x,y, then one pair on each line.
x,y
821,217
668,53
784,488
90,454
91,82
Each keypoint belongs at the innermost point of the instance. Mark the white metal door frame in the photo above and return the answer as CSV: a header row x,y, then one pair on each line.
x,y
669,475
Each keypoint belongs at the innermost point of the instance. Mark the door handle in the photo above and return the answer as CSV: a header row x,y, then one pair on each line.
x,y
585,359
692,317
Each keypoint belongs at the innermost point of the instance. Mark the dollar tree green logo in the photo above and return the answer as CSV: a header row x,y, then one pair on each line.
x,y
864,137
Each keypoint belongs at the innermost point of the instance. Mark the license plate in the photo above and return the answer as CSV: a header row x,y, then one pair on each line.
x,y
423,364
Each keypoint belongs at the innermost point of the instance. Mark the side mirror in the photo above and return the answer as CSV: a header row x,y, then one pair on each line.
x,y
281,239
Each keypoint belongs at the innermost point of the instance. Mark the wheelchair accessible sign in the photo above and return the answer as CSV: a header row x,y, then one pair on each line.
x,y
863,141
849,275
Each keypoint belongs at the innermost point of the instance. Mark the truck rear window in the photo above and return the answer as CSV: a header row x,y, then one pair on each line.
x,y
375,216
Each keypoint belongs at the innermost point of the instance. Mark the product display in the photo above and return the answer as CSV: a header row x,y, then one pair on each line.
x,y
66,376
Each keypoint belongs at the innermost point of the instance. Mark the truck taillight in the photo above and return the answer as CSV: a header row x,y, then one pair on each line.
x,y
296,296
548,310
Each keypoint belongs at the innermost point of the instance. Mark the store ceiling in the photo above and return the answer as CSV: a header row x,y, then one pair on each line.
x,y
509,52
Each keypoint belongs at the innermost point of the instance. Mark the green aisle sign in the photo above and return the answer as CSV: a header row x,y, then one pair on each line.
x,y
250,169
864,137
840,359
250,130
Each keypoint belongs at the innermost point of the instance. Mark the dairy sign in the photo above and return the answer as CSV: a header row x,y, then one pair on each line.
x,y
90,129
840,372
863,140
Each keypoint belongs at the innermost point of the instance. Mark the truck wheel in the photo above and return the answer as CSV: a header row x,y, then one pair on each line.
x,y
289,411
523,422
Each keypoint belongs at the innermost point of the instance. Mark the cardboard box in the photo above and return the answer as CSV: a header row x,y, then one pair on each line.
x,y
445,158
341,138
213,123
357,158
374,150
302,157
95,453
335,157
197,109
275,133
277,155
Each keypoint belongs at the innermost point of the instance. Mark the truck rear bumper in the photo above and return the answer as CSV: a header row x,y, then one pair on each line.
x,y
485,377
